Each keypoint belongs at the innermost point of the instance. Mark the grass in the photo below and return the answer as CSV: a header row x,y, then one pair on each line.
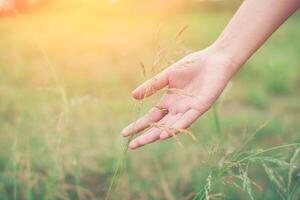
x,y
66,74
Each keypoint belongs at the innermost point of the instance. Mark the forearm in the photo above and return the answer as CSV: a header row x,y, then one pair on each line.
x,y
252,25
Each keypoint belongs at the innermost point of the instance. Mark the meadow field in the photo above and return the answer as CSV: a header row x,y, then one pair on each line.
x,y
67,70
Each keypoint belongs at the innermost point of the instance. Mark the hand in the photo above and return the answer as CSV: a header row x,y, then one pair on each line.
x,y
194,83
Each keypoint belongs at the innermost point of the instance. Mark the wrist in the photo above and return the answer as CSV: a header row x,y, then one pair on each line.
x,y
230,60
228,45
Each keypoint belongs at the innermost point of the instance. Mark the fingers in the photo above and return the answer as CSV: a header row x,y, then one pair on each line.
x,y
151,86
147,138
154,133
144,122
182,123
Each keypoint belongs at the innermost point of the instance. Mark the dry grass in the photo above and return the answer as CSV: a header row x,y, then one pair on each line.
x,y
60,138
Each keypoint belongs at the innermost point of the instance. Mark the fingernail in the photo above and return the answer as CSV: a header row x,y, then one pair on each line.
x,y
133,145
135,94
124,132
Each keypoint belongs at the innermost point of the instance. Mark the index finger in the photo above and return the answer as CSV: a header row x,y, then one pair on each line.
x,y
151,86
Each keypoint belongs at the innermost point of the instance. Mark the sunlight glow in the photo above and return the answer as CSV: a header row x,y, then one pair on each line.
x,y
112,1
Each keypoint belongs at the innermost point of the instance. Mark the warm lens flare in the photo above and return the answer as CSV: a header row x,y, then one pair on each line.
x,y
68,69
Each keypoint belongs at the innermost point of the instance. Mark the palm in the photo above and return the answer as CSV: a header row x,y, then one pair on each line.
x,y
194,83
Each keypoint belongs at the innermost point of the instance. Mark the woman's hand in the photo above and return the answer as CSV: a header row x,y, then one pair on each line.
x,y
194,83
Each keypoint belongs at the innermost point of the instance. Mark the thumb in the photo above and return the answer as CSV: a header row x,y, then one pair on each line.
x,y
151,86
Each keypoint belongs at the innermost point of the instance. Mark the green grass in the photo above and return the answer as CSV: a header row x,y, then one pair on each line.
x,y
66,74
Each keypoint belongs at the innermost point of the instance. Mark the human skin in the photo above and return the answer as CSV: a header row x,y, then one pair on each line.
x,y
201,77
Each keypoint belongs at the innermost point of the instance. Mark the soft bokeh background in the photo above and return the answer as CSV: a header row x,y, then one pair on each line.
x,y
67,69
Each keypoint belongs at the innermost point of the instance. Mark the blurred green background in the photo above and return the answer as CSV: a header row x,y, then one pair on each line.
x,y
67,69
